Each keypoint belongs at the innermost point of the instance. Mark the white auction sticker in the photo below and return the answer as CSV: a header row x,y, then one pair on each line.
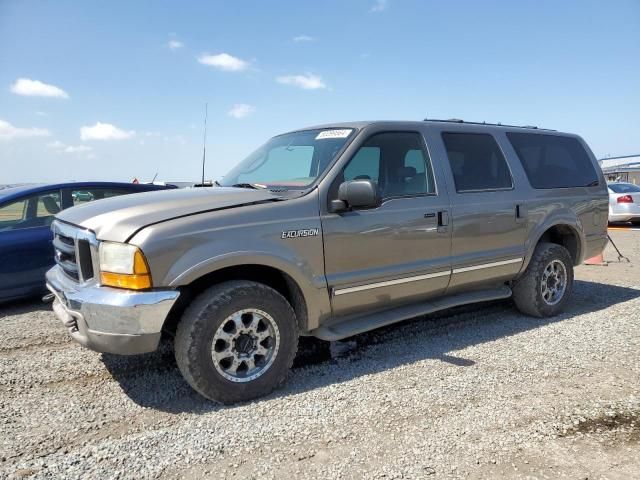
x,y
344,133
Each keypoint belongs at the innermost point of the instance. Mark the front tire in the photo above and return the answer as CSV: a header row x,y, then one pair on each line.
x,y
546,285
236,341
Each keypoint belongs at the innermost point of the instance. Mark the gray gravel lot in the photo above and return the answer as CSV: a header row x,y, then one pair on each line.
x,y
477,392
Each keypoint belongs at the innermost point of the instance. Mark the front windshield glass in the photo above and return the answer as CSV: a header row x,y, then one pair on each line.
x,y
293,160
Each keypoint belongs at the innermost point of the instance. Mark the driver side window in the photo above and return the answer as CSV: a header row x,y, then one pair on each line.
x,y
396,162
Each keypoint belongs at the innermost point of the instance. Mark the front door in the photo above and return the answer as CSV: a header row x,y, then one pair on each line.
x,y
398,252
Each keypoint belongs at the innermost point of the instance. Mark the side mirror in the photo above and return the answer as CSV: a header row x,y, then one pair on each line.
x,y
356,194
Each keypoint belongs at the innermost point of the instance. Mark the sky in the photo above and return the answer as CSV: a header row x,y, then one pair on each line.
x,y
116,90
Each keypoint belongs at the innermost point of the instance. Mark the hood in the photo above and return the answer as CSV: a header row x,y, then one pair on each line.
x,y
116,219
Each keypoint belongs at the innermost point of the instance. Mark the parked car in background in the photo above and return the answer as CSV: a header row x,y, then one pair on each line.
x,y
82,196
624,202
26,213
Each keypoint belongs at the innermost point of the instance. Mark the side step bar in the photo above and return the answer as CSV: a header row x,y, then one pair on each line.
x,y
354,325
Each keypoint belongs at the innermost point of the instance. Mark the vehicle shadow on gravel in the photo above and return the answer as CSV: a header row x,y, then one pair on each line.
x,y
19,307
153,380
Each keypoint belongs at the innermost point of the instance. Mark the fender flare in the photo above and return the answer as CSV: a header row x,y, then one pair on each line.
x,y
570,221
314,289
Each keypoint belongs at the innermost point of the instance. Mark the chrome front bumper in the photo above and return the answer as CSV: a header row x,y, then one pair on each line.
x,y
108,319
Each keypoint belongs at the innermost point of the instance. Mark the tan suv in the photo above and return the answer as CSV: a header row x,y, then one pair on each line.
x,y
328,232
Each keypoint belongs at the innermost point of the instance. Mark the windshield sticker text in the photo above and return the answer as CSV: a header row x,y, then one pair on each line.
x,y
343,133
305,232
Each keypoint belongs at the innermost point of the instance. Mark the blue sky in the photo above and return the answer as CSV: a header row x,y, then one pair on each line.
x,y
116,90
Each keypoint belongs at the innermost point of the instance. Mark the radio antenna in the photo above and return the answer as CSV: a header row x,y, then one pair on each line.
x,y
204,142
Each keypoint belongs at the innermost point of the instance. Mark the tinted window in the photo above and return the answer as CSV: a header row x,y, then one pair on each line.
x,y
396,161
476,162
34,211
552,161
624,187
365,164
84,195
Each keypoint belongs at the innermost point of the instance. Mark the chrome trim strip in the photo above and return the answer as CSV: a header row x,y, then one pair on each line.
x,y
487,265
388,283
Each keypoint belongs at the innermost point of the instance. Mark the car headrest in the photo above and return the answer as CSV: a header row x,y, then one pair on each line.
x,y
407,172
50,205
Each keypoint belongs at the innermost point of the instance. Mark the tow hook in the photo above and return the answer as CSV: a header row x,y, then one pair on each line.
x,y
48,298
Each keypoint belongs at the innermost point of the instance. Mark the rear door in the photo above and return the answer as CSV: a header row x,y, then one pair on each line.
x,y
489,214
398,252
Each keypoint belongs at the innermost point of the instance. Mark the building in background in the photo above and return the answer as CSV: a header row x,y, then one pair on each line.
x,y
621,169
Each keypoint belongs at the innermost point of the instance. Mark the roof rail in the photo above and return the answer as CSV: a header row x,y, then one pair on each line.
x,y
457,120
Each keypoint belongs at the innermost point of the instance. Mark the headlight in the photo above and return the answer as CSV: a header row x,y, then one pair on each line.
x,y
123,266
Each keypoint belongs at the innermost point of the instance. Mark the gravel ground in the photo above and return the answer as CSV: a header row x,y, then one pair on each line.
x,y
477,392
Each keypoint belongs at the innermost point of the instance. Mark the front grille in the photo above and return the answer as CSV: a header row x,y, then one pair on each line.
x,y
65,252
72,253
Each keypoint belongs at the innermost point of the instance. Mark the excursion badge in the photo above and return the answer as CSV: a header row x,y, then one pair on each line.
x,y
305,232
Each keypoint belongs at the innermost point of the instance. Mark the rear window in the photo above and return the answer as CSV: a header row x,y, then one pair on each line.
x,y
476,162
624,187
552,161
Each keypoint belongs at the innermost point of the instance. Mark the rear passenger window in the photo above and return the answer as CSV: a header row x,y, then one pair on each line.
x,y
476,162
84,195
553,161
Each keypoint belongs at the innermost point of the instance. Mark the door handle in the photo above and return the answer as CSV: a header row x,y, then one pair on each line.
x,y
521,213
443,221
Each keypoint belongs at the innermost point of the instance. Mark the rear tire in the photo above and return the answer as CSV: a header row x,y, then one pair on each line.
x,y
236,341
546,285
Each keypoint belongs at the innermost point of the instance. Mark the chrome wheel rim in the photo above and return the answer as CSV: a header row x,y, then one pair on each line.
x,y
554,282
245,345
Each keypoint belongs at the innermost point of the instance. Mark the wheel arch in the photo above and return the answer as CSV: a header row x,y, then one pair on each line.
x,y
564,233
305,298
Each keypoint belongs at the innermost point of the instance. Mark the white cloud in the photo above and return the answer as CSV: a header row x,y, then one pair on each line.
x,y
175,45
104,131
9,132
303,38
77,149
307,81
36,88
74,149
379,6
56,145
224,61
241,110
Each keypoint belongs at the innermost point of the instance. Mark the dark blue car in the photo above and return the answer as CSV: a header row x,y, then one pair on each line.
x,y
26,213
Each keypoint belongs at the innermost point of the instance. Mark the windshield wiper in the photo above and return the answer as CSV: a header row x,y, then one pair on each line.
x,y
254,186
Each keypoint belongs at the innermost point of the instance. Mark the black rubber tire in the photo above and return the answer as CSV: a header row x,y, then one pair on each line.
x,y
527,293
199,323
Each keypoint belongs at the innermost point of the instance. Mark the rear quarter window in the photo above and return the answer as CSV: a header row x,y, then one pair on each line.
x,y
553,161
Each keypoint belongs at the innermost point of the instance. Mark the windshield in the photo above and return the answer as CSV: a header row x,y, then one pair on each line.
x,y
624,187
290,161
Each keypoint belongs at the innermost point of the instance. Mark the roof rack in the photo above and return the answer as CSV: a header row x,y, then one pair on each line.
x,y
457,120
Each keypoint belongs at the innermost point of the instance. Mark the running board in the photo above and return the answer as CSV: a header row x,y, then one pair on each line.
x,y
354,325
